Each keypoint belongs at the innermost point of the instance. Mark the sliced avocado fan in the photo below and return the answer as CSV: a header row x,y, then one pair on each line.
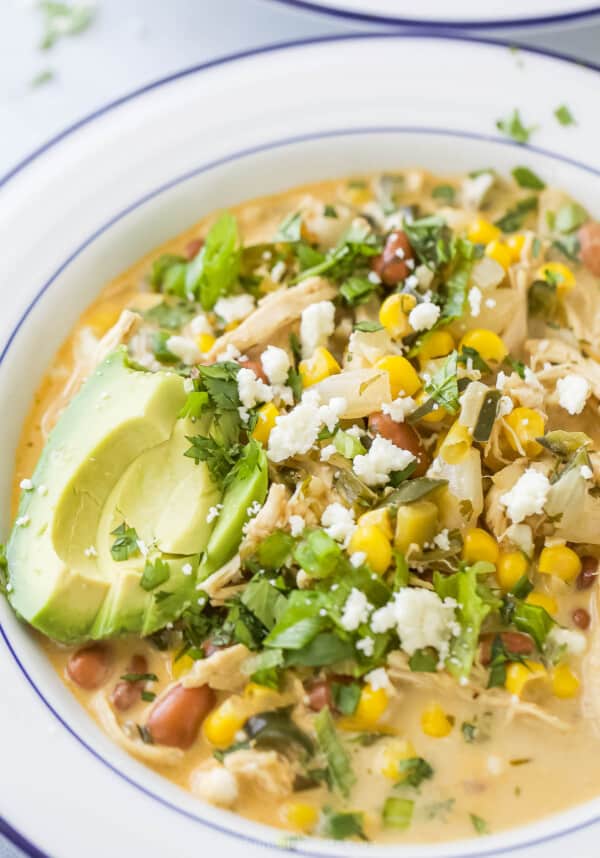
x,y
113,543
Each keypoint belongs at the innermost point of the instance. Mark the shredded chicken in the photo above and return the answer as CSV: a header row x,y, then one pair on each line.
x,y
222,577
221,670
275,311
266,771
273,515
552,359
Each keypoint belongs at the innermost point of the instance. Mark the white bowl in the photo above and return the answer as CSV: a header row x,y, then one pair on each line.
x,y
123,180
463,14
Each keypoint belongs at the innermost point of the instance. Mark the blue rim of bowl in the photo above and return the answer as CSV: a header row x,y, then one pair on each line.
x,y
11,834
462,24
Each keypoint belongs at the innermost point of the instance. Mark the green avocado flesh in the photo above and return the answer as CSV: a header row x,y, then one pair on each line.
x,y
117,455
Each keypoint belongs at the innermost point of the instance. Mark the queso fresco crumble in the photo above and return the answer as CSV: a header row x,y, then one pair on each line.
x,y
313,527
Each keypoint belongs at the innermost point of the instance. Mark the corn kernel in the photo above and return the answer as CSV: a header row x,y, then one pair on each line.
x,y
479,545
321,365
416,524
231,326
181,665
394,752
500,253
516,244
393,314
267,416
434,416
223,723
403,376
564,682
380,518
519,676
510,567
371,540
359,193
371,706
558,273
487,343
435,722
543,600
300,816
205,342
436,344
103,318
481,231
526,425
456,444
560,560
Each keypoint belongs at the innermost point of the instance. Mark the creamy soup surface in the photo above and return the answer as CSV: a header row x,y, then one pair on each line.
x,y
315,532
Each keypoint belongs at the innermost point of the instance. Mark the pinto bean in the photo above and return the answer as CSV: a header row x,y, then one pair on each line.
x,y
581,618
192,248
391,265
125,694
589,239
209,648
89,666
402,435
176,718
589,571
319,695
257,369
515,642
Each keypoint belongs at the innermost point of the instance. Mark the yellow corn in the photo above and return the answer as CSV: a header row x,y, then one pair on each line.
x,y
223,723
403,376
394,752
359,194
267,415
557,272
510,567
435,722
456,444
300,816
231,326
481,231
380,518
436,344
416,524
527,425
564,682
543,600
500,253
434,416
103,318
487,343
560,560
393,314
518,675
478,545
181,665
321,365
371,706
516,243
371,540
205,342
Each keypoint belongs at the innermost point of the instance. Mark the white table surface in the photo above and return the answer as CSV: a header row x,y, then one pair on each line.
x,y
133,42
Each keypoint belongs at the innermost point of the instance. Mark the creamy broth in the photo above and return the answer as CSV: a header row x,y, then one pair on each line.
x,y
499,765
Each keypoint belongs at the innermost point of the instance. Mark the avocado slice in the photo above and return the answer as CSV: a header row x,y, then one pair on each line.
x,y
238,498
63,579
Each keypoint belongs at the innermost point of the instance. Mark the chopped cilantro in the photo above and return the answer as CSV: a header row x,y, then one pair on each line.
x,y
42,77
414,770
515,217
171,316
290,228
357,290
214,271
479,824
443,385
126,543
570,217
341,826
63,19
564,115
346,696
155,573
139,677
330,211
444,192
424,660
368,327
513,127
526,178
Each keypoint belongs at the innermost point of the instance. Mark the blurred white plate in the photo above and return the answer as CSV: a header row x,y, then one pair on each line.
x,y
105,192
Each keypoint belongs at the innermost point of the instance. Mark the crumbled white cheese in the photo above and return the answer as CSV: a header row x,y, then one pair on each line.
x,y
378,678
296,432
400,408
490,303
213,513
423,316
356,610
420,618
185,349
254,508
442,540
216,785
474,189
474,297
90,551
572,391
316,326
575,642
200,325
338,522
26,485
527,496
500,380
277,271
297,525
186,569
505,406
495,764
366,646
357,558
327,452
230,353
330,413
531,379
235,308
276,364
383,457
586,472
251,389
521,535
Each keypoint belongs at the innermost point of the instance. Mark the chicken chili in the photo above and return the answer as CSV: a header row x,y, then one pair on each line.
x,y
309,514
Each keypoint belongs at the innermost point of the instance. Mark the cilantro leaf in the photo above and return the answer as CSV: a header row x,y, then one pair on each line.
x,y
513,127
63,19
564,115
446,193
340,826
514,218
338,759
220,459
155,573
479,824
214,271
415,771
443,385
526,178
471,612
126,543
171,316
